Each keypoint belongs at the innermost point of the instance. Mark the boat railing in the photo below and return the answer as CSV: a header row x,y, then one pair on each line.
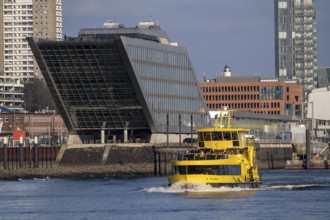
x,y
250,142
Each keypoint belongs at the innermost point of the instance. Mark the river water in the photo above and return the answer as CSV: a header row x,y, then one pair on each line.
x,y
303,194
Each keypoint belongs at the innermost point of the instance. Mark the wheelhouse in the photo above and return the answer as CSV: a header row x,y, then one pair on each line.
x,y
220,139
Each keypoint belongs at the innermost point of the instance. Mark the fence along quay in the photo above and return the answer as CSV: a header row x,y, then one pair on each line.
x,y
27,155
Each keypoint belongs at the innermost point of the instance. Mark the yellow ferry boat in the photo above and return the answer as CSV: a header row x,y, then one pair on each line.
x,y
223,157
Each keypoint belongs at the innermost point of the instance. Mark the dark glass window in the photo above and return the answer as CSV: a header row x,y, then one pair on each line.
x,y
211,170
216,136
207,136
226,135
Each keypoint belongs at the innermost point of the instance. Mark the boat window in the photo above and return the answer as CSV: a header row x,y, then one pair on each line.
x,y
226,135
179,170
234,136
235,139
207,136
215,170
216,136
200,136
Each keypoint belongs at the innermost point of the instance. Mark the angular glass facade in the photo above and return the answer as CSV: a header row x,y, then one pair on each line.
x,y
169,83
122,79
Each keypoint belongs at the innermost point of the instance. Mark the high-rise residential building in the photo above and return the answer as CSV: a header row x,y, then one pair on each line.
x,y
21,19
295,43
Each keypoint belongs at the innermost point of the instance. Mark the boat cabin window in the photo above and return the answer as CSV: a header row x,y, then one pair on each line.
x,y
200,136
208,169
204,136
226,135
207,136
235,138
179,170
217,136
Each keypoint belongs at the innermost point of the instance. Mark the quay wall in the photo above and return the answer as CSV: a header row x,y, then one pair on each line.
x,y
273,156
97,160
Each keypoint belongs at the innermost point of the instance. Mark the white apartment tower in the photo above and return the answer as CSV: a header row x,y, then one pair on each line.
x,y
295,43
21,19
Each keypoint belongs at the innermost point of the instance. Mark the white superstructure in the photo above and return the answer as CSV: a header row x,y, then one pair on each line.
x,y
318,111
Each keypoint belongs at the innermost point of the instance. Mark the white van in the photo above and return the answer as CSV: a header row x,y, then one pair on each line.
x,y
251,136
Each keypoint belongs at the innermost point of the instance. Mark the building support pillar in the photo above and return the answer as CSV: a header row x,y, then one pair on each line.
x,y
125,135
102,136
102,132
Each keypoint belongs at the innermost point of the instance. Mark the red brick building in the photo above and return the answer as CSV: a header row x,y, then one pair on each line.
x,y
255,95
34,124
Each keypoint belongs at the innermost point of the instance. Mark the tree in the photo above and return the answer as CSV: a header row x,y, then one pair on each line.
x,y
37,96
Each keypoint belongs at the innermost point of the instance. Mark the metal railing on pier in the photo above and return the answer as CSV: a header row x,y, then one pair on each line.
x,y
31,156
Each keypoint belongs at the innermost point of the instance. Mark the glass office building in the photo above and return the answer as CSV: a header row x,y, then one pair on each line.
x,y
119,79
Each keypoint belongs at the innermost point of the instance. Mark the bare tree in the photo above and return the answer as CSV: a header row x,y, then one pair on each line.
x,y
37,95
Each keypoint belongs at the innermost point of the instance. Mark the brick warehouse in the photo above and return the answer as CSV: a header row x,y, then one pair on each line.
x,y
41,125
253,94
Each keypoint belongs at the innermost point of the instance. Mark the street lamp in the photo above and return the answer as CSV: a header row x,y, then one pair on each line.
x,y
309,136
312,122
14,119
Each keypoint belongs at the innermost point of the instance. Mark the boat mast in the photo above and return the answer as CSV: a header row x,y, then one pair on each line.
x,y
225,113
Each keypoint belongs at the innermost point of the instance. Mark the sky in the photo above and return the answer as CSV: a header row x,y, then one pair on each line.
x,y
239,33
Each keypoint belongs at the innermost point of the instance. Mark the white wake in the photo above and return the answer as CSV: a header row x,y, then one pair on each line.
x,y
183,187
289,187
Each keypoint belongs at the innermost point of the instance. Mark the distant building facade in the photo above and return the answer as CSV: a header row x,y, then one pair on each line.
x,y
323,76
130,83
21,19
295,43
253,94
319,114
41,125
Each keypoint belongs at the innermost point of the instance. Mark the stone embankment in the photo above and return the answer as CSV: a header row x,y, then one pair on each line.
x,y
96,160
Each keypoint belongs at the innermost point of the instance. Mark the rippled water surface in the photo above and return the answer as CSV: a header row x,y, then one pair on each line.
x,y
303,194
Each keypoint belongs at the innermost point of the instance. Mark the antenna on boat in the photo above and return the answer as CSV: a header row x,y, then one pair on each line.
x,y
224,113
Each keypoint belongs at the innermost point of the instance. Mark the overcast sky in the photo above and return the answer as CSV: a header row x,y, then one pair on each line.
x,y
239,33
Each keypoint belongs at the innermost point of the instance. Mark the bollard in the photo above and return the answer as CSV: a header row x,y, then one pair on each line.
x,y
268,160
155,160
159,164
165,162
51,155
271,159
5,153
36,159
308,148
21,152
